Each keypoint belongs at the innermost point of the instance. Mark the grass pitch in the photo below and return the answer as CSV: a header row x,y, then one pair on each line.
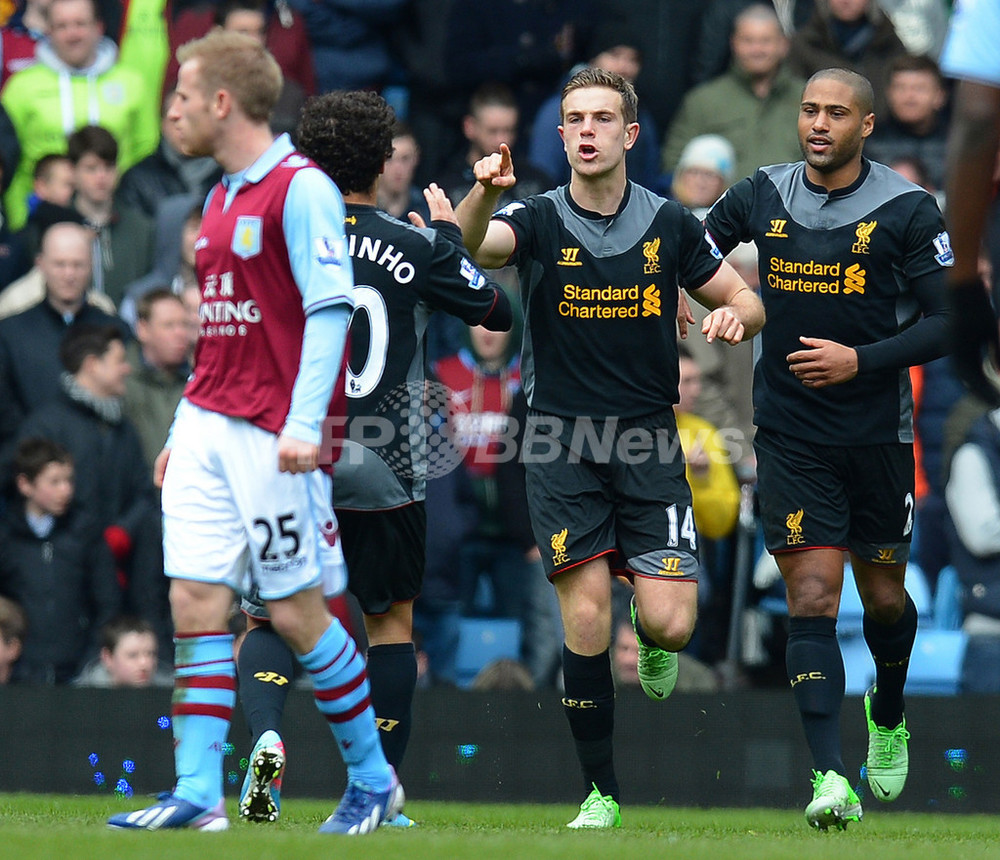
x,y
73,828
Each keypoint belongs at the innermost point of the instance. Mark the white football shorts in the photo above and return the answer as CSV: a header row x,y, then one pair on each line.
x,y
230,517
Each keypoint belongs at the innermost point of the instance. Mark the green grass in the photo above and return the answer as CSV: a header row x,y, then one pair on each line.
x,y
72,828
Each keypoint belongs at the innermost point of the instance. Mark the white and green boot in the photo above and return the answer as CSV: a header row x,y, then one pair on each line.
x,y
834,802
597,811
888,756
657,668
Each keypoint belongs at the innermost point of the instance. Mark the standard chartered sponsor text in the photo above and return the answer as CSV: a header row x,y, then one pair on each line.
x,y
820,277
599,302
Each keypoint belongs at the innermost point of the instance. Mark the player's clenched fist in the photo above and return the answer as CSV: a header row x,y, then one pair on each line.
x,y
724,324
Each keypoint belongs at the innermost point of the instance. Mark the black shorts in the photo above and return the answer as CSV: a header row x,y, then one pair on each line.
x,y
626,496
385,554
858,498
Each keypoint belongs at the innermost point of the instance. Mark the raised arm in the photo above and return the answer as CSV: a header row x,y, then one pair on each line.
x,y
737,313
490,242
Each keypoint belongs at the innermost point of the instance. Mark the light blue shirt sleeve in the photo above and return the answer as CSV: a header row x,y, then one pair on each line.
x,y
323,343
972,49
317,247
313,220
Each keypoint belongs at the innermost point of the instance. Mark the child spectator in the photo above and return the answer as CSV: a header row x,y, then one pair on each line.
x,y
55,565
13,627
128,657
123,237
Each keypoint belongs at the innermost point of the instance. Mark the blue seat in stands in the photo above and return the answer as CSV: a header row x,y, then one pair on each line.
x,y
483,640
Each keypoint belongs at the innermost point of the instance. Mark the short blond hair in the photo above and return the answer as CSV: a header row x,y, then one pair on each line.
x,y
240,65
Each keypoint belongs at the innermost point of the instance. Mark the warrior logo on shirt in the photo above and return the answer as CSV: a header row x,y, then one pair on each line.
x,y
247,236
569,257
864,237
651,250
559,555
777,230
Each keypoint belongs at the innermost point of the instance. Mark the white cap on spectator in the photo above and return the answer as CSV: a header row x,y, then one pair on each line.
x,y
709,152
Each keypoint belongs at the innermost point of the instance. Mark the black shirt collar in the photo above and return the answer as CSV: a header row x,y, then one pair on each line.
x,y
597,216
866,168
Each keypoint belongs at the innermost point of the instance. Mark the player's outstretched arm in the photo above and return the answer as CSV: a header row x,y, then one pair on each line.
x,y
490,242
737,313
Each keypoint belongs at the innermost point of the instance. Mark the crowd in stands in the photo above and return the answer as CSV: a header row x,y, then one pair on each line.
x,y
99,299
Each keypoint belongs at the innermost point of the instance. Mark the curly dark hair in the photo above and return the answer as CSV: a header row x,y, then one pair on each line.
x,y
349,135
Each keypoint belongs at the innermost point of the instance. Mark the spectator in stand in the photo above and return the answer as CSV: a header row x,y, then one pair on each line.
x,y
249,17
350,45
714,489
55,565
20,35
912,167
850,34
286,38
10,150
484,379
715,495
165,173
503,674
528,45
916,123
112,479
727,373
123,237
51,199
14,259
713,56
754,104
128,658
437,611
920,24
191,297
77,80
936,391
13,629
624,653
704,171
178,225
614,48
492,119
397,193
29,341
973,495
160,368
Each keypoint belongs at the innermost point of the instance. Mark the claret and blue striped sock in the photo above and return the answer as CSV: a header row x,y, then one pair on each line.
x,y
340,686
204,697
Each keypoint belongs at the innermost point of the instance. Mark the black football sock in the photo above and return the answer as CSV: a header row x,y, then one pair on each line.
x,y
589,705
816,672
265,668
392,674
890,645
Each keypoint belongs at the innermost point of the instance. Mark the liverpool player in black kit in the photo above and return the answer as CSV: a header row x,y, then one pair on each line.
x,y
600,260
852,261
402,273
